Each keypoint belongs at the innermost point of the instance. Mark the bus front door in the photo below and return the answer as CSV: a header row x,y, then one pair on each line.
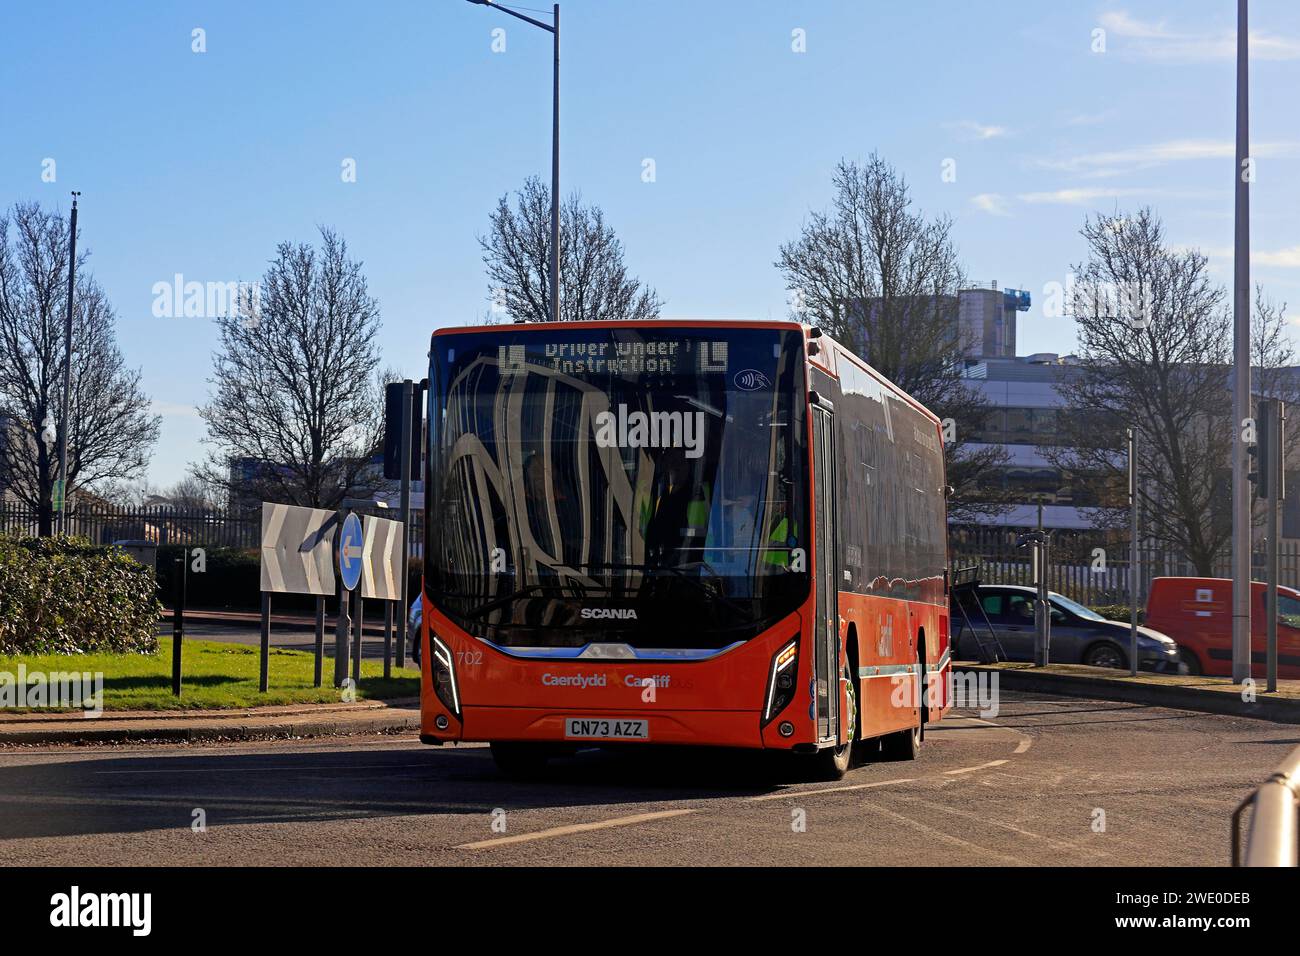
x,y
826,655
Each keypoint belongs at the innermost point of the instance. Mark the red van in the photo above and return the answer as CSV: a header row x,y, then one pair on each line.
x,y
1197,613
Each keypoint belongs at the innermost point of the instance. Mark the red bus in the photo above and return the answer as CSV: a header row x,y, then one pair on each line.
x,y
712,533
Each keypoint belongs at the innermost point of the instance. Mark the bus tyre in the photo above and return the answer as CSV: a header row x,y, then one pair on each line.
x,y
519,760
834,762
901,745
906,744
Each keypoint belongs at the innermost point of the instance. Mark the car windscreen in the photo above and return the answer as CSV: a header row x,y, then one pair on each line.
x,y
1075,608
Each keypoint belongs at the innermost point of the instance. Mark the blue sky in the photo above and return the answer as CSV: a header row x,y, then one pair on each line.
x,y
199,163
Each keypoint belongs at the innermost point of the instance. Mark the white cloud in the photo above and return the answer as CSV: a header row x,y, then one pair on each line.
x,y
1154,40
1116,162
1286,258
994,204
978,130
1121,23
1081,196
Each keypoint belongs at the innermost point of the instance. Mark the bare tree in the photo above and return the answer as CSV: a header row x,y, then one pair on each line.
x,y
296,413
110,432
1271,352
594,283
1273,361
195,494
1154,343
129,494
883,280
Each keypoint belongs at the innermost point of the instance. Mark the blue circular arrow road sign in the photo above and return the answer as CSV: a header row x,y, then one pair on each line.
x,y
351,548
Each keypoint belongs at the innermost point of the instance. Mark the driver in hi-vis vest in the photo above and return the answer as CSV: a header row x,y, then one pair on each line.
x,y
782,538
675,513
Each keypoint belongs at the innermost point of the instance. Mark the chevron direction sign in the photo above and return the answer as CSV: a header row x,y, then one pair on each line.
x,y
297,549
381,569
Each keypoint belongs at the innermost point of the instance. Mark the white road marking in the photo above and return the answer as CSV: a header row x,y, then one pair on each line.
x,y
984,820
788,794
943,836
1025,740
991,763
573,828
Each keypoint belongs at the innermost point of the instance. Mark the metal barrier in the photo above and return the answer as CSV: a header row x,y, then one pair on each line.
x,y
1274,837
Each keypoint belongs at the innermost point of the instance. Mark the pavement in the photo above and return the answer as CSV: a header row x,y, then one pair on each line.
x,y
1047,781
1211,694
254,723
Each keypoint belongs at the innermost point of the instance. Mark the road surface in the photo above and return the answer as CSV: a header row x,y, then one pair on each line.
x,y
1027,787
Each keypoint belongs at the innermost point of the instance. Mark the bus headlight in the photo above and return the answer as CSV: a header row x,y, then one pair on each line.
x,y
780,682
443,674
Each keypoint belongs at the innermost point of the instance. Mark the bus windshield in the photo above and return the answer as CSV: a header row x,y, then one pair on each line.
x,y
638,485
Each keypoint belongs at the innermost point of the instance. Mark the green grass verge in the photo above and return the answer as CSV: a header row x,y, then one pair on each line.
x,y
214,675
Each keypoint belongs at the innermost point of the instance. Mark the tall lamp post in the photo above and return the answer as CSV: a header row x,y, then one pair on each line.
x,y
1241,532
554,30
67,371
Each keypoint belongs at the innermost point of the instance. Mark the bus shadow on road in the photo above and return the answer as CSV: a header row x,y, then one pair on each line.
x,y
159,790
694,772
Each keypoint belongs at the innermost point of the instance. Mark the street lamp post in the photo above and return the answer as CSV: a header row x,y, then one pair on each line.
x,y
553,29
62,487
1241,532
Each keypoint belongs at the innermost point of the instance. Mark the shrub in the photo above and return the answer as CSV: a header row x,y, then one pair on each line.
x,y
65,596
1118,612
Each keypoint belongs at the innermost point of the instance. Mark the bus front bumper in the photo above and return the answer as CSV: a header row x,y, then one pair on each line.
x,y
714,728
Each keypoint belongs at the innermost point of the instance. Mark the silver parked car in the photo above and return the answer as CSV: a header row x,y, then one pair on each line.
x,y
1079,634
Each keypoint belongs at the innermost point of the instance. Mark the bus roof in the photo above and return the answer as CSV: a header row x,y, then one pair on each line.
x,y
634,323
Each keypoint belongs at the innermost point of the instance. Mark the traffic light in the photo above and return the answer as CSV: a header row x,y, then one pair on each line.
x,y
1258,453
1267,455
394,395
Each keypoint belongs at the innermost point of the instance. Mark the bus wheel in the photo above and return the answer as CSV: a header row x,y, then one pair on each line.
x,y
519,760
906,744
834,762
902,744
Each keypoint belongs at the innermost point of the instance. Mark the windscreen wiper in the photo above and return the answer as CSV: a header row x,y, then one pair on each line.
x,y
498,602
492,605
683,575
